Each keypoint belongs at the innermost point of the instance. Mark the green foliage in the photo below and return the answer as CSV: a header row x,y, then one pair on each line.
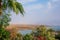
x,y
12,5
57,36
28,37
4,20
4,34
5,8
19,36
19,7
43,31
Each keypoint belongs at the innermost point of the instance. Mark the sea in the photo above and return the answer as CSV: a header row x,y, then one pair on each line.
x,y
24,32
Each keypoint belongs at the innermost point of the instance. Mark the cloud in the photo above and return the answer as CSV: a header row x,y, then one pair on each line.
x,y
49,5
40,13
54,0
26,1
33,7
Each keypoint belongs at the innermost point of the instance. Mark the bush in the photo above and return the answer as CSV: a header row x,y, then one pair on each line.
x,y
4,22
4,34
47,34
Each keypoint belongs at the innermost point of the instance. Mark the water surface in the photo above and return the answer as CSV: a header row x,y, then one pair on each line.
x,y
23,32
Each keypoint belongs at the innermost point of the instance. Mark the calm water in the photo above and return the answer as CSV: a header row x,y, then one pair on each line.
x,y
57,28
23,32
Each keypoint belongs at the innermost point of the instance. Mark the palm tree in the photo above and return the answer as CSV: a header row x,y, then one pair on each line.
x,y
6,6
11,5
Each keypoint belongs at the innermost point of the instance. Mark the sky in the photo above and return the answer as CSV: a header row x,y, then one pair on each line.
x,y
45,12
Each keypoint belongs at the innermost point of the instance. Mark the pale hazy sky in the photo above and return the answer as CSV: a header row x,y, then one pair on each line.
x,y
38,12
